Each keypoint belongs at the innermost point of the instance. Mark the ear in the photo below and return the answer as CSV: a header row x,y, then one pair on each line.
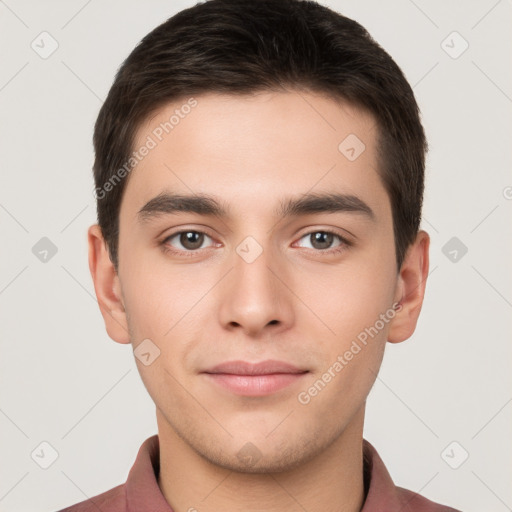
x,y
410,289
107,286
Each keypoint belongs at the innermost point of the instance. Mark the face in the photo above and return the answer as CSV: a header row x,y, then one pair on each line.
x,y
283,254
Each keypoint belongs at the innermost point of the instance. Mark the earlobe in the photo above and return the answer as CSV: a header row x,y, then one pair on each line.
x,y
107,287
411,285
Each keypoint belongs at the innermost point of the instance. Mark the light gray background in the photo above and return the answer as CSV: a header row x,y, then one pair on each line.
x,y
65,382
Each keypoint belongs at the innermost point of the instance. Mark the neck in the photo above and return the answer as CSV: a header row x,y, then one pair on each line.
x,y
330,482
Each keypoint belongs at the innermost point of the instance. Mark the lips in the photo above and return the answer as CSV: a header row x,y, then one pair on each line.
x,y
254,379
262,368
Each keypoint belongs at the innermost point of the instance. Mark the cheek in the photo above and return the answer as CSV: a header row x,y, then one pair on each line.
x,y
356,304
158,297
171,307
343,387
351,298
350,359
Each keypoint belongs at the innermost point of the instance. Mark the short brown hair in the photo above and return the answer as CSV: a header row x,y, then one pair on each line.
x,y
241,47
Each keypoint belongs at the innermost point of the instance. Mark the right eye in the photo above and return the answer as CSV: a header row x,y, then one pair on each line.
x,y
189,239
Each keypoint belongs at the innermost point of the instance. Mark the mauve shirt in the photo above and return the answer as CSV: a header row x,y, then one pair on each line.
x,y
141,493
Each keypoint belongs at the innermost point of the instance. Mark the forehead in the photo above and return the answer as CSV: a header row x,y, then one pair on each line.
x,y
250,150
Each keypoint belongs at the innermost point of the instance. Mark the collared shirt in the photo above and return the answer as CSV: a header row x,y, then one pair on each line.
x,y
141,492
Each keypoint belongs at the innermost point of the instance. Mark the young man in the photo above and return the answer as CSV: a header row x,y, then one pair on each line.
x,y
259,178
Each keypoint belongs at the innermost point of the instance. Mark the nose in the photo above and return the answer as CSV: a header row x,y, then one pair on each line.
x,y
254,297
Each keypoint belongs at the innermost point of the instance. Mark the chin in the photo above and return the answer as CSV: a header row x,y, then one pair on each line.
x,y
276,463
263,456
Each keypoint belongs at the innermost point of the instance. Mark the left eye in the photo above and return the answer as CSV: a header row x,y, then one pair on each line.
x,y
322,240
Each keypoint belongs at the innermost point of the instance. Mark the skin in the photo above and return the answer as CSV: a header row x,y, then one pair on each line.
x,y
293,303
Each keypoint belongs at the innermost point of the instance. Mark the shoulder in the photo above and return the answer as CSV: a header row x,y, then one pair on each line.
x,y
113,500
414,502
384,495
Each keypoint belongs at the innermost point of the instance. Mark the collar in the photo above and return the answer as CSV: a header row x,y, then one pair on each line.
x,y
144,494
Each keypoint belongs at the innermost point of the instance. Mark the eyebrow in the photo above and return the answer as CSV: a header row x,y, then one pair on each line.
x,y
203,204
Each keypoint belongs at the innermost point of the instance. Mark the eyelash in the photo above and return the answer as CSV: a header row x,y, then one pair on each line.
x,y
190,254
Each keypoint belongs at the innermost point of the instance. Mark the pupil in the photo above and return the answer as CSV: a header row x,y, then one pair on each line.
x,y
191,240
325,239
